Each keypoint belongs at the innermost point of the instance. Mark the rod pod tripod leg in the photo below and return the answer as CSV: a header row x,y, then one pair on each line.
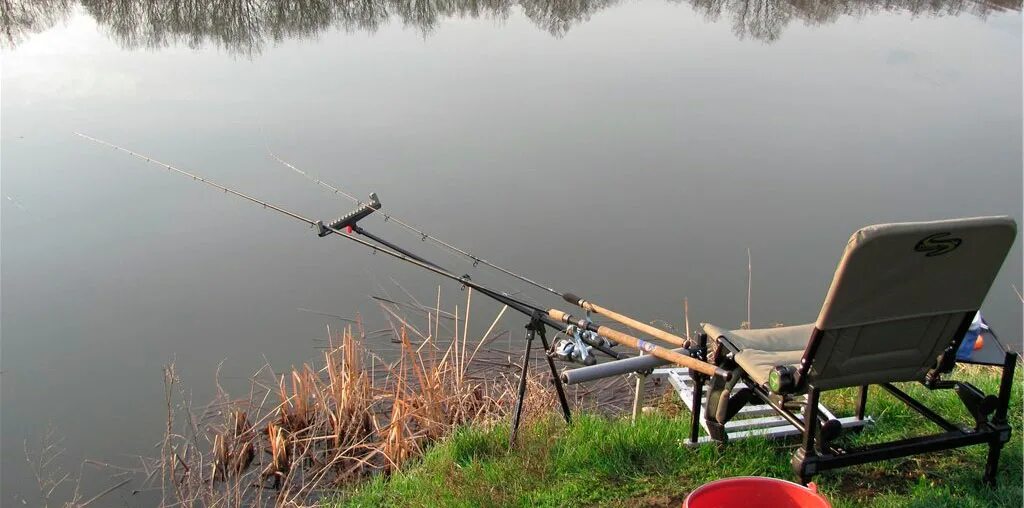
x,y
536,327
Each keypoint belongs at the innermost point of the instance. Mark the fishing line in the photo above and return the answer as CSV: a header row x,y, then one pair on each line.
x,y
504,298
553,318
414,229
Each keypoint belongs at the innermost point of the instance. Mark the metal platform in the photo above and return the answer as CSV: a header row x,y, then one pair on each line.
x,y
758,420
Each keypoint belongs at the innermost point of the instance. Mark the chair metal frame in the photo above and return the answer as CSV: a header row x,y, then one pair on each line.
x,y
817,451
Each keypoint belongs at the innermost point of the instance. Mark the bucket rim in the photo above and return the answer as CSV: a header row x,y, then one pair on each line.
x,y
811,487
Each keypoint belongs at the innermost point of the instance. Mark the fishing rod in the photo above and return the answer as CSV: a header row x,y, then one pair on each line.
x,y
567,296
348,223
553,318
419,231
341,227
539,318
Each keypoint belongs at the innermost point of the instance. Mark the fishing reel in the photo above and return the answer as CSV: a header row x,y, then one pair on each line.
x,y
571,350
591,338
578,345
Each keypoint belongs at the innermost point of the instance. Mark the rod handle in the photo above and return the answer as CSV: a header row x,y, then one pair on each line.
x,y
653,331
560,316
647,347
658,351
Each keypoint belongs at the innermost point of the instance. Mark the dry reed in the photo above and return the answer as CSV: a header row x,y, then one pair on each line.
x,y
305,431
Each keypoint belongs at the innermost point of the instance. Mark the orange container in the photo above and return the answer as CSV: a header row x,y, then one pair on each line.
x,y
755,492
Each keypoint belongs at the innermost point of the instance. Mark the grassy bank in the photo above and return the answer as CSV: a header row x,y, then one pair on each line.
x,y
611,462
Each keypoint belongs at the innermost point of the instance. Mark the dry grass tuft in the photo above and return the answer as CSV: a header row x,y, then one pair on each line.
x,y
330,423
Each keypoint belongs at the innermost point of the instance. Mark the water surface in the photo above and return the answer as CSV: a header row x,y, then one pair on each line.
x,y
628,151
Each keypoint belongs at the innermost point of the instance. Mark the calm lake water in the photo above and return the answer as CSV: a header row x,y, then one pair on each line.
x,y
629,151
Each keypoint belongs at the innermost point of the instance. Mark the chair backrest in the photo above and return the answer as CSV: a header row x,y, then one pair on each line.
x,y
901,294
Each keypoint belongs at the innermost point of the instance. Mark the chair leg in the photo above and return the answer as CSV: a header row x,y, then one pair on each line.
x,y
992,464
995,447
803,459
698,396
698,390
862,401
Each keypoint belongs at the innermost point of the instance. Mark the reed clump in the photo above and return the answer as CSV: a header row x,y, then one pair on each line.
x,y
345,417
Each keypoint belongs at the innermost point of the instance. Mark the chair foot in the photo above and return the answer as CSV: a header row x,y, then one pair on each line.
x,y
992,464
716,431
804,466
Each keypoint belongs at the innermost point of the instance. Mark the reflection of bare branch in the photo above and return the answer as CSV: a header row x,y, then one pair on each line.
x,y
22,18
557,16
765,20
244,27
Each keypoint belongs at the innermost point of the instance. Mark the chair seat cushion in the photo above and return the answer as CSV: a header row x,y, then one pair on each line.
x,y
759,350
757,364
783,338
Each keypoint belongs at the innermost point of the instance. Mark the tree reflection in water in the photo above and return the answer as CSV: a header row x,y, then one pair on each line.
x,y
247,26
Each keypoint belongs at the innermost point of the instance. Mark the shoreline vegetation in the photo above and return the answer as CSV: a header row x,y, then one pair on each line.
x,y
429,427
302,434
606,460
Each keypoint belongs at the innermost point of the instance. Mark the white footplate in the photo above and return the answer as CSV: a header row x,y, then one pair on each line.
x,y
759,420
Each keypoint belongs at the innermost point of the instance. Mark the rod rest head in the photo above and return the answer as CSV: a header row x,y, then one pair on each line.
x,y
350,219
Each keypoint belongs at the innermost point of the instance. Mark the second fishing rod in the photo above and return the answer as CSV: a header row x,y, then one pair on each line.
x,y
344,226
552,317
569,297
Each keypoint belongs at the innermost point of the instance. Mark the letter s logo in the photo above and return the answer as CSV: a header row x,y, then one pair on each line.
x,y
937,244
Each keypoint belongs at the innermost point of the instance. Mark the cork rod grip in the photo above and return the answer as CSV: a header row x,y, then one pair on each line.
x,y
626,320
638,325
558,315
651,349
658,351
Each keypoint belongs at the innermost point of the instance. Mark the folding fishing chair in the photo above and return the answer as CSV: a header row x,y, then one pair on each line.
x,y
902,298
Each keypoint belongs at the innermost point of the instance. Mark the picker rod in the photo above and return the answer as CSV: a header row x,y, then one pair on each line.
x,y
568,297
551,317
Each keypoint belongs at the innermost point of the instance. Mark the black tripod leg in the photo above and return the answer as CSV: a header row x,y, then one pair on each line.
x,y
522,389
554,376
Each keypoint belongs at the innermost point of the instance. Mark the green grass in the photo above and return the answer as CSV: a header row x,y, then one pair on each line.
x,y
599,461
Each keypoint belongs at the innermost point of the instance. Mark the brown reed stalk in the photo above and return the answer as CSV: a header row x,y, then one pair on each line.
x,y
326,423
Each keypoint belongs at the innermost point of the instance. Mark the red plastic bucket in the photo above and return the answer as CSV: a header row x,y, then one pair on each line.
x,y
755,492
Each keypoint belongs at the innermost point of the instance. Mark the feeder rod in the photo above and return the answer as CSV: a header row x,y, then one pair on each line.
x,y
551,317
